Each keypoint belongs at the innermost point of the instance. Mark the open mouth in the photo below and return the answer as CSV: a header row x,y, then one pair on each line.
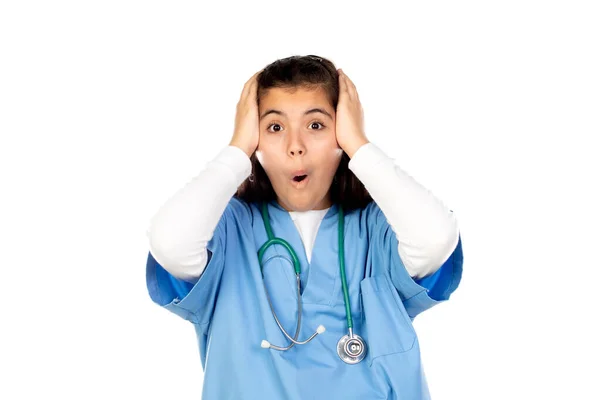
x,y
299,178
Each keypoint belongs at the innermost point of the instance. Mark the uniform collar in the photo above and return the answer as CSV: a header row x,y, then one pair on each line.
x,y
274,205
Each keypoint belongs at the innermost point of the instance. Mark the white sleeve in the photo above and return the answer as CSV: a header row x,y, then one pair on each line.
x,y
182,227
427,231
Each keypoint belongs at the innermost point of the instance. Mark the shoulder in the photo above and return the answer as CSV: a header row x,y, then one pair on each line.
x,y
368,213
370,221
238,211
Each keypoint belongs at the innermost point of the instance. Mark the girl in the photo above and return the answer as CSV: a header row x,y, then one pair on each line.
x,y
302,253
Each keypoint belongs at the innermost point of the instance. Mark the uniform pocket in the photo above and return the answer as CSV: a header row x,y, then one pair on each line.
x,y
387,328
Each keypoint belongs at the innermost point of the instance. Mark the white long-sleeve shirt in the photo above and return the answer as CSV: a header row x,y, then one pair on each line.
x,y
427,231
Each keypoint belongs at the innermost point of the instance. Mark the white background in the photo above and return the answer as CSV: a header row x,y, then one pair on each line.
x,y
107,108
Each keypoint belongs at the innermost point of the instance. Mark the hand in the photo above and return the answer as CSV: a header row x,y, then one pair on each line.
x,y
247,132
349,124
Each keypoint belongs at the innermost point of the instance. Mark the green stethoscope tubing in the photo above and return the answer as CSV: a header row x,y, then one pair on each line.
x,y
351,348
296,262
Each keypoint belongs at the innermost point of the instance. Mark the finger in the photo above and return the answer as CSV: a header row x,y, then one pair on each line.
x,y
342,83
352,92
249,89
349,88
253,78
245,91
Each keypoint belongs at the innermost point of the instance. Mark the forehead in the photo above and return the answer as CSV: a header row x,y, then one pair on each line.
x,y
295,100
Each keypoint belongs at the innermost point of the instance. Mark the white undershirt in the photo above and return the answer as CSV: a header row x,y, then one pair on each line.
x,y
427,231
307,223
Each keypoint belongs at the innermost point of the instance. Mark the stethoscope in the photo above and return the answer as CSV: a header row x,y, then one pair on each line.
x,y
351,348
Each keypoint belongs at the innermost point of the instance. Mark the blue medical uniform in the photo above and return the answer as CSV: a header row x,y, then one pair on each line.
x,y
229,310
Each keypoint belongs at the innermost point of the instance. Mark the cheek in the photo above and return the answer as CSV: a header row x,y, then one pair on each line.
x,y
270,145
331,160
262,157
331,142
268,159
331,152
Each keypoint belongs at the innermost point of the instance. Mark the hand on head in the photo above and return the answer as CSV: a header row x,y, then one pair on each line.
x,y
349,126
246,132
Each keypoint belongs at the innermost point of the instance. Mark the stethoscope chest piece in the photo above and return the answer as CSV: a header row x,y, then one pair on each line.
x,y
351,350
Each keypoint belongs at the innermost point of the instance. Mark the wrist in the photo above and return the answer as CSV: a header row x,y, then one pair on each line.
x,y
245,149
354,146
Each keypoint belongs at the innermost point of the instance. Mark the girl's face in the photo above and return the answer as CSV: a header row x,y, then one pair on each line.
x,y
297,146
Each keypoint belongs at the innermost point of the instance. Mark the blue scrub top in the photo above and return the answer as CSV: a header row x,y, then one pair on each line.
x,y
231,315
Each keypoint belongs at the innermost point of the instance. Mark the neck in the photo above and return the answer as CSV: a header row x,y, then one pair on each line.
x,y
322,205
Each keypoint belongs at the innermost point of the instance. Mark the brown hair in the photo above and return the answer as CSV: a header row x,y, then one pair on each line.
x,y
304,72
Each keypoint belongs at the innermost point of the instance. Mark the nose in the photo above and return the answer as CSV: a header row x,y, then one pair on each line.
x,y
296,152
296,146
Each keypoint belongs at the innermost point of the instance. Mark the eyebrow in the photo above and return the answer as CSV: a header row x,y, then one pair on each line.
x,y
311,111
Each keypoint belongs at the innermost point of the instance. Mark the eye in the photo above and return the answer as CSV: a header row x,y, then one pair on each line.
x,y
316,123
274,124
312,125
